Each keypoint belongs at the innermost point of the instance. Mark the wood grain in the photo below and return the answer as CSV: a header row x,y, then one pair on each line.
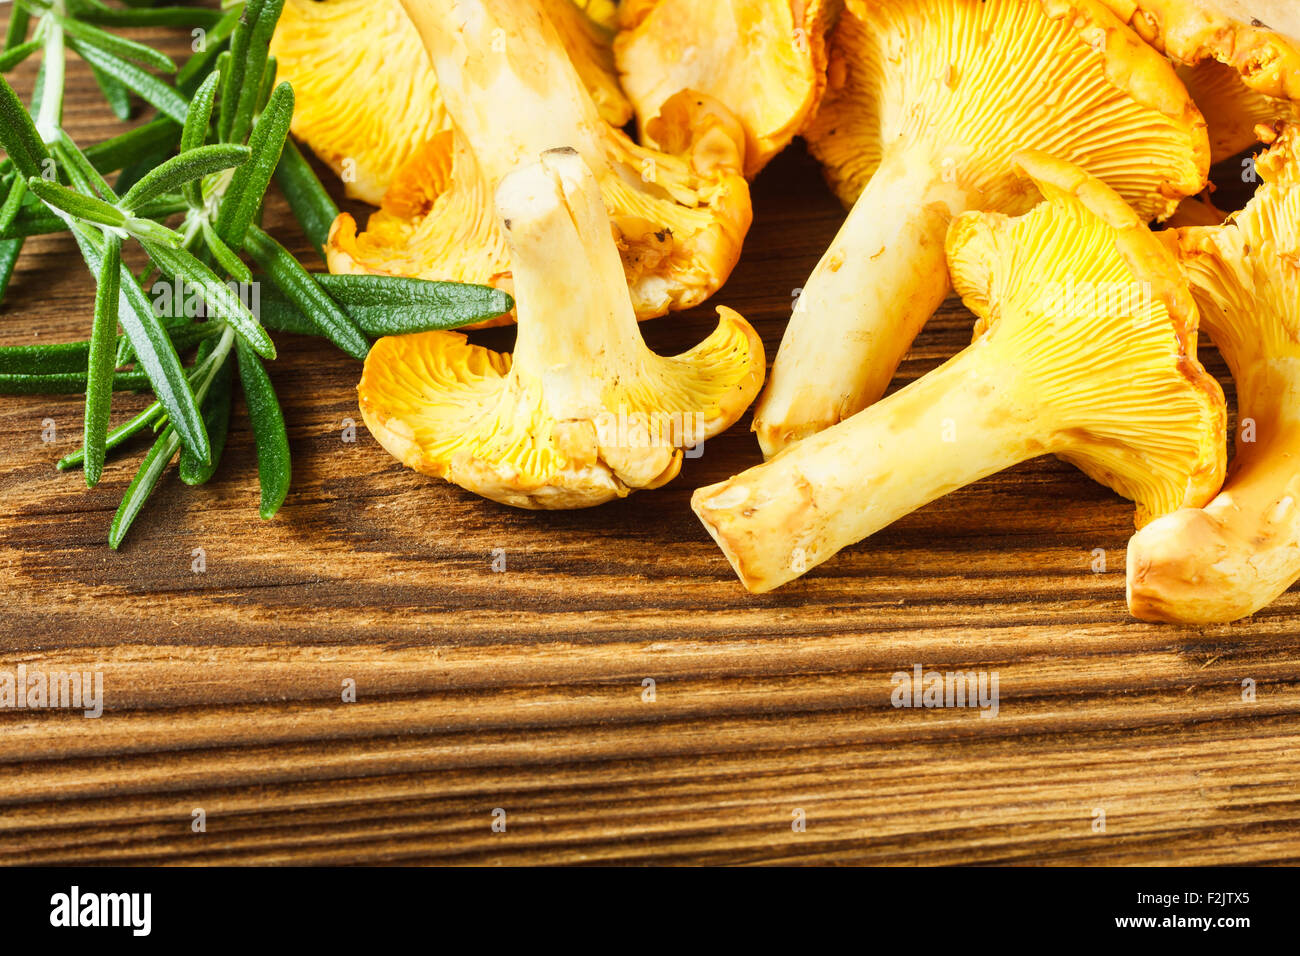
x,y
522,690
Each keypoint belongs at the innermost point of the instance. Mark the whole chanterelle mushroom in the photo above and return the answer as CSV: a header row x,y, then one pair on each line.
x,y
928,101
679,216
764,60
1243,550
1240,60
584,412
1086,348
367,97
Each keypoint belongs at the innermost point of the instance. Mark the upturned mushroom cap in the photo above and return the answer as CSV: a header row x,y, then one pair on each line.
x,y
1240,60
927,103
584,412
982,81
1156,434
764,60
1233,110
1085,348
1242,550
679,217
367,97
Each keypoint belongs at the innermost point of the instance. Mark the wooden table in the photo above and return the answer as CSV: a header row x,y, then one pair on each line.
x,y
522,691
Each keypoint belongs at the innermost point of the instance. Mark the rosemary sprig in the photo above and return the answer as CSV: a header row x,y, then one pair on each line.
x,y
209,157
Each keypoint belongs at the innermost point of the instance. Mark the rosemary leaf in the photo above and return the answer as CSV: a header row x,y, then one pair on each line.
x,y
67,383
191,165
44,359
392,305
199,115
86,208
103,351
148,87
74,159
216,416
143,485
269,74
114,45
232,72
12,205
223,255
18,134
272,440
248,49
19,21
155,17
300,287
248,186
310,204
10,249
117,95
72,357
389,305
39,221
11,58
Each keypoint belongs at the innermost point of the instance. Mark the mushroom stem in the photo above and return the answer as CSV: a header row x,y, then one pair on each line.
x,y
577,324
1238,554
487,53
882,278
947,429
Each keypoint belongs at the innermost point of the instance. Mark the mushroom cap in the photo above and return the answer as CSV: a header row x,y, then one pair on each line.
x,y
436,221
1232,109
583,412
1109,340
765,60
1241,551
679,217
1245,273
966,84
1240,59
367,97
1257,38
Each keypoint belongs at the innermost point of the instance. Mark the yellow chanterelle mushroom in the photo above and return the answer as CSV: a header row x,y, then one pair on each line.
x,y
1085,348
679,214
764,60
583,412
1242,550
1240,60
367,97
928,101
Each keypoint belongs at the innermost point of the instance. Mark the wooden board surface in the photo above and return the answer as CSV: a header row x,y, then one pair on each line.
x,y
523,690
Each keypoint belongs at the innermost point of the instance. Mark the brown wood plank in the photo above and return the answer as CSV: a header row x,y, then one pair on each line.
x,y
523,690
